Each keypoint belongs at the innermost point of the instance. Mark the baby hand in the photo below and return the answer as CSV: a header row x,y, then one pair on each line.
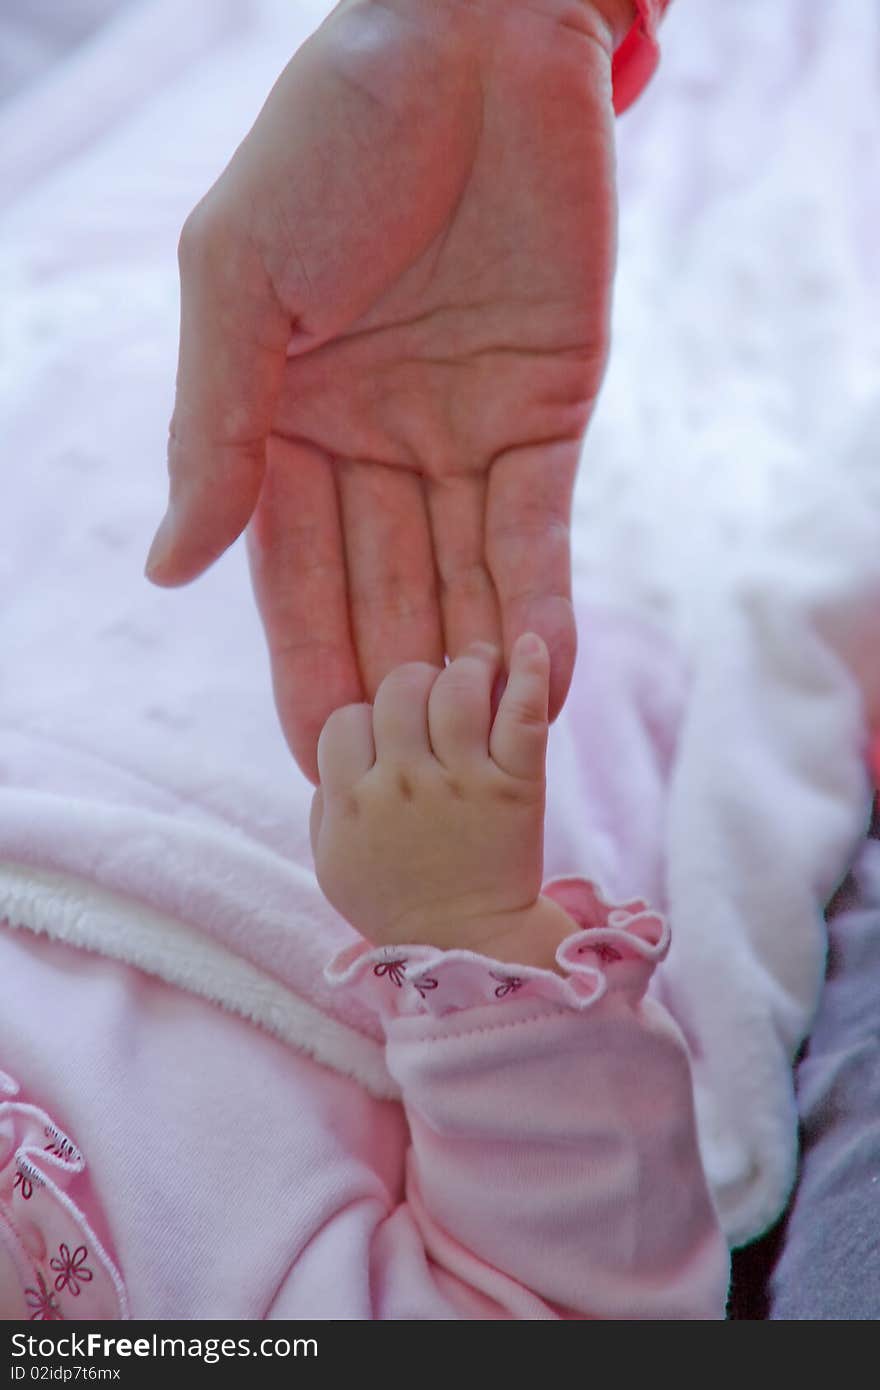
x,y
428,825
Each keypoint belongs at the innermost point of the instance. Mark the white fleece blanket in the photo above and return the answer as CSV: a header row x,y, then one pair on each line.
x,y
148,806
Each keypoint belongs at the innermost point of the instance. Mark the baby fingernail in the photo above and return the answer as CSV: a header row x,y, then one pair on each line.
x,y
530,645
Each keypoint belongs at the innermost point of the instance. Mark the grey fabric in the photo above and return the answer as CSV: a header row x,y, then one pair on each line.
x,y
829,1261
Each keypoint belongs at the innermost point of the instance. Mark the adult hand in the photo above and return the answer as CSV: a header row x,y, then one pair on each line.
x,y
394,325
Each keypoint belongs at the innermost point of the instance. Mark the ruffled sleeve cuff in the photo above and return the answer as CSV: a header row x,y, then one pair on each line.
x,y
635,61
612,948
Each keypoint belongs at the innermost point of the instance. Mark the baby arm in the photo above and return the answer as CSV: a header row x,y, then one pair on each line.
x,y
553,1165
428,825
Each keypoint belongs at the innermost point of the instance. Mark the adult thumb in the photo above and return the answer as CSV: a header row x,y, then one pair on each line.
x,y
233,338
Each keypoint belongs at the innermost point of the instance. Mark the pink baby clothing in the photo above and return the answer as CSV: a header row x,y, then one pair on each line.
x,y
542,1162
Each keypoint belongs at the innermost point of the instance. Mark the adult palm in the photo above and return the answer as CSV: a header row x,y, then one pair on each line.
x,y
394,326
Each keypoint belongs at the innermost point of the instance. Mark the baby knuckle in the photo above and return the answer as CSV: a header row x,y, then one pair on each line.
x,y
394,782
454,787
506,789
512,793
405,784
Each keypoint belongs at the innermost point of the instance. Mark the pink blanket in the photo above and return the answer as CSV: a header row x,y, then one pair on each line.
x,y
149,811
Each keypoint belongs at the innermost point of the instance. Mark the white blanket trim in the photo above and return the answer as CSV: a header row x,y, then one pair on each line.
x,y
78,913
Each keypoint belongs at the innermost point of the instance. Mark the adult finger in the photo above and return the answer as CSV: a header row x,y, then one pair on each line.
x,y
528,545
468,601
233,340
297,564
346,751
518,742
389,560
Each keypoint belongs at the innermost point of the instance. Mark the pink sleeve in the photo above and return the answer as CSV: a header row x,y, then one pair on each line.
x,y
553,1166
636,59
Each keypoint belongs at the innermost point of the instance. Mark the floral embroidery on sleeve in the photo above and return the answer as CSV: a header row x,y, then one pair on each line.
x,y
72,1268
64,1270
394,969
24,1184
43,1302
509,984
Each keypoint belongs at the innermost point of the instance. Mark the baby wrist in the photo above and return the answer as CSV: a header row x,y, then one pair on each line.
x,y
528,936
